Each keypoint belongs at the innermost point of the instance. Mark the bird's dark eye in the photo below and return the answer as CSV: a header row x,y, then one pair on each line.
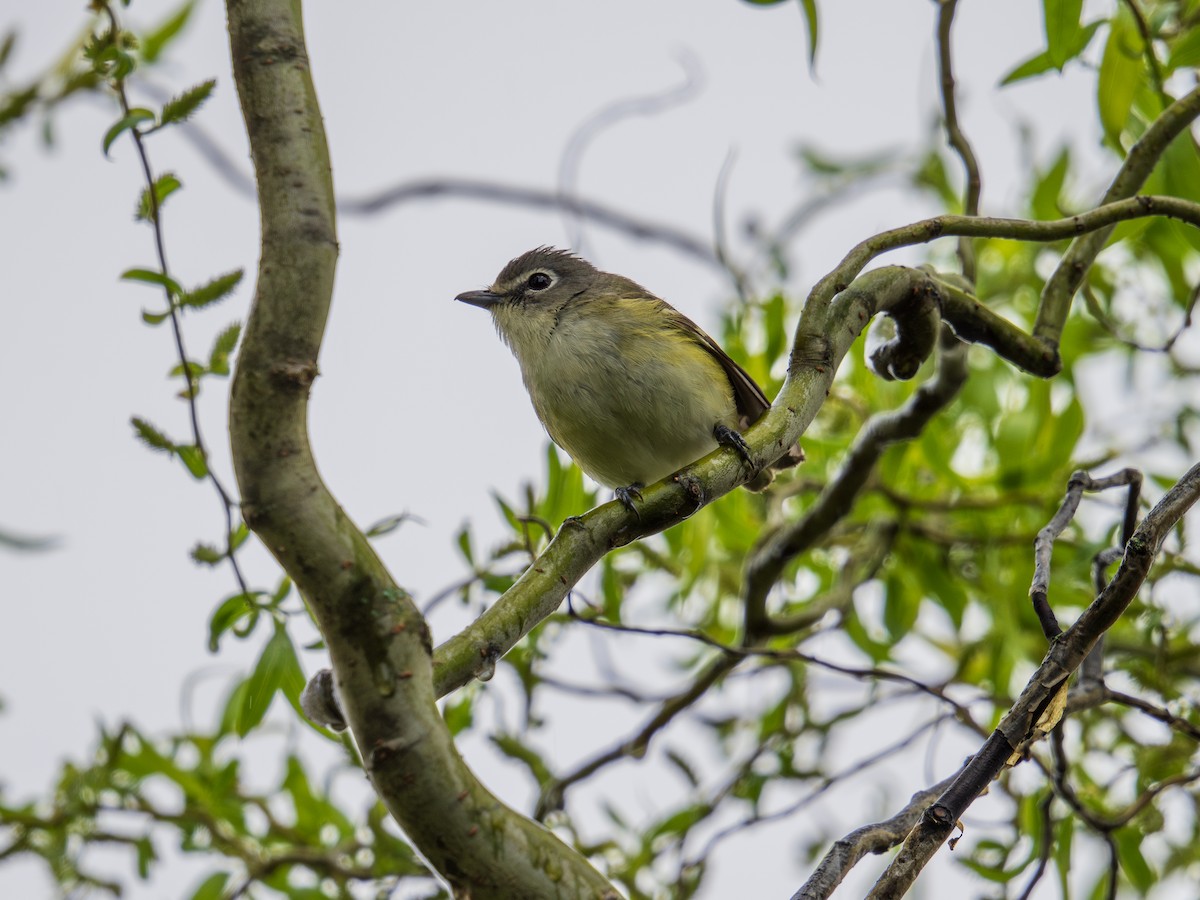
x,y
539,281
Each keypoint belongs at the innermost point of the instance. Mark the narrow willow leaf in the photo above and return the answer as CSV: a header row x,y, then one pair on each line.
x,y
1061,19
212,887
164,186
810,17
206,554
151,436
1120,68
211,291
230,615
178,109
157,39
6,46
132,119
218,359
150,276
194,460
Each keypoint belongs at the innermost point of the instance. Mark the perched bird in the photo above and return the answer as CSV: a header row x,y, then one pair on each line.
x,y
631,388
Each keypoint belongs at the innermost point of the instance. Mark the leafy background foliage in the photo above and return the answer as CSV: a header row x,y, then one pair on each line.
x,y
952,514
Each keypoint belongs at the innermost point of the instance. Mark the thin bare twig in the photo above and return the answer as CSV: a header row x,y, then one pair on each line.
x,y
609,116
954,133
1044,543
1045,845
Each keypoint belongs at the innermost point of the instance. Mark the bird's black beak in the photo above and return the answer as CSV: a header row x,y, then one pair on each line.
x,y
482,299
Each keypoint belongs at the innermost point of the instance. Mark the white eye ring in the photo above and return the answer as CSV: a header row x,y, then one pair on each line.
x,y
539,281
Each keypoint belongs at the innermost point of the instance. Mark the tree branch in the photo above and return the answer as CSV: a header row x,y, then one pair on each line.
x,y
877,838
377,640
834,316
1060,288
1023,721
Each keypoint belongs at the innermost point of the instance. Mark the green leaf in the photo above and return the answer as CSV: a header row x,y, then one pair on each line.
x,y
459,714
282,591
1043,62
1037,64
210,292
212,887
1061,19
810,17
239,536
228,615
179,108
1133,861
388,525
193,458
512,747
164,186
1044,204
277,671
192,367
155,318
150,276
206,554
1185,50
218,359
464,545
130,120
1120,74
6,47
157,39
151,436
145,856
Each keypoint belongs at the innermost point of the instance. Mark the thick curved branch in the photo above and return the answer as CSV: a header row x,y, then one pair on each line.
x,y
377,640
1143,157
926,230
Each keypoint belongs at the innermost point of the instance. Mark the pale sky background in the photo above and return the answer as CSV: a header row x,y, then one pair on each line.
x,y
419,407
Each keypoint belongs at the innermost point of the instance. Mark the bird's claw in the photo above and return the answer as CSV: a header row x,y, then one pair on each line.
x,y
727,437
627,494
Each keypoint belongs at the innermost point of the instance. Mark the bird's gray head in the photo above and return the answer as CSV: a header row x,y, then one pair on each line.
x,y
544,278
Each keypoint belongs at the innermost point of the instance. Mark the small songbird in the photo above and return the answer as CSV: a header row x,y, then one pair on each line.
x,y
631,388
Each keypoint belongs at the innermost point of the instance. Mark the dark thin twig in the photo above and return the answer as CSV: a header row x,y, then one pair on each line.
x,y
607,117
634,747
1044,543
376,202
536,198
1168,718
1092,670
1045,845
773,551
792,655
826,784
227,501
1147,46
720,235
954,133
1111,327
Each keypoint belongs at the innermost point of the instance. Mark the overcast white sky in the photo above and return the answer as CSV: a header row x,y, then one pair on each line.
x,y
419,407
